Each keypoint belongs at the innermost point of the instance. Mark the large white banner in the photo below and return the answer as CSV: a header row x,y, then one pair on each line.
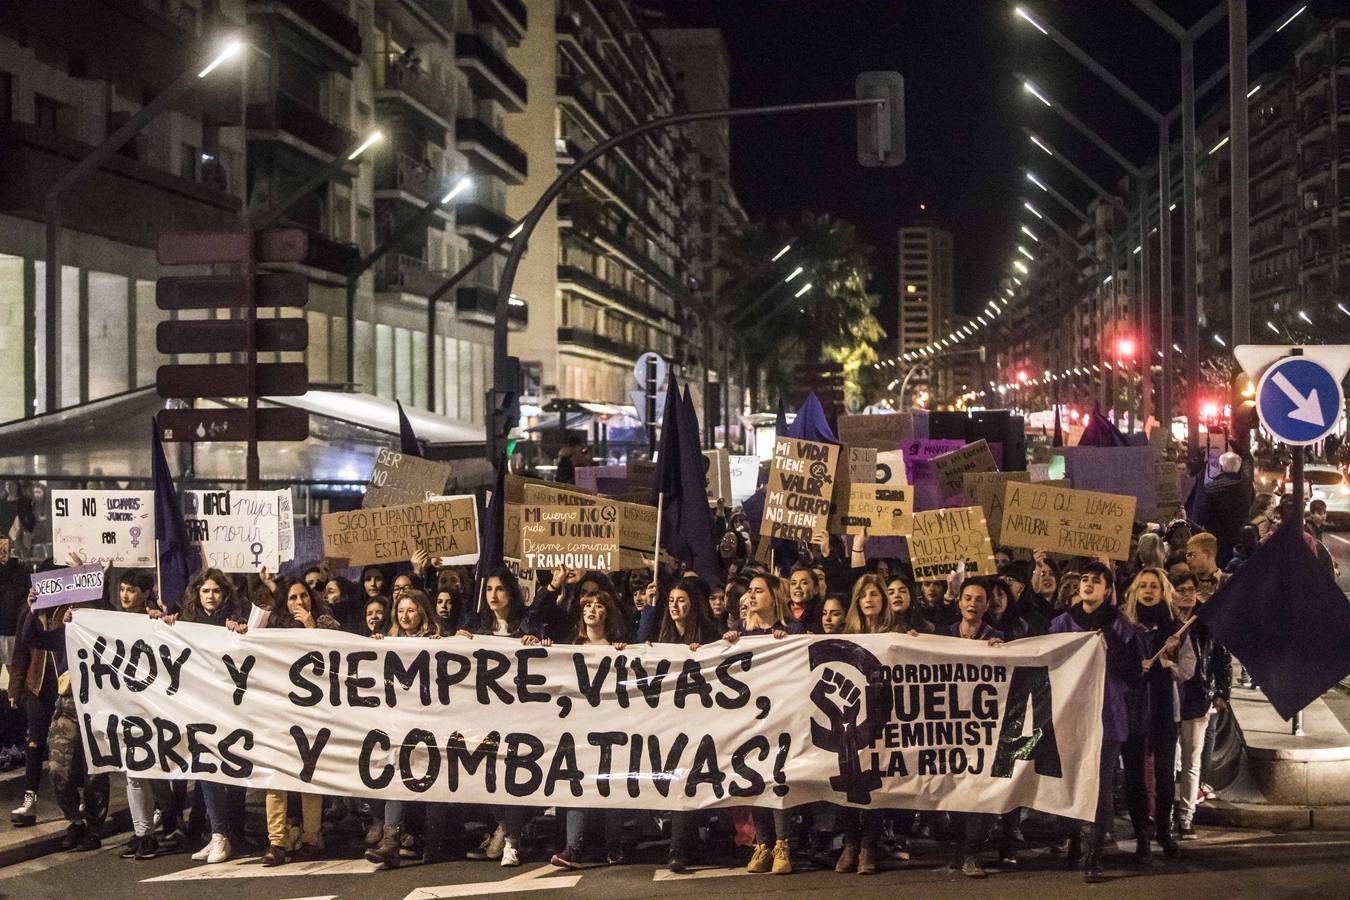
x,y
881,720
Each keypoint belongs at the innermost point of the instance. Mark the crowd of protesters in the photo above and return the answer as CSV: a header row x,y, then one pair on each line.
x,y
1165,681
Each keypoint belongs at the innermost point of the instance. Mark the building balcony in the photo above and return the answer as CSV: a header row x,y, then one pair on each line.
x,y
407,274
1315,117
420,20
574,278
288,120
489,73
1313,163
1310,69
123,200
400,172
481,222
598,343
418,92
330,255
328,18
478,303
1315,216
490,150
572,93
509,16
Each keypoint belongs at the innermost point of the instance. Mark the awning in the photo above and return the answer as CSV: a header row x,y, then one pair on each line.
x,y
583,413
110,439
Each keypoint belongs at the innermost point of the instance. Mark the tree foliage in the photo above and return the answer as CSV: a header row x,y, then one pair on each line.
x,y
832,322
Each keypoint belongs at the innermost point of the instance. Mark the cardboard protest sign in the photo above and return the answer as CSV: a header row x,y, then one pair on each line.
x,y
946,538
717,472
878,510
972,729
1039,471
527,578
112,527
389,534
985,490
880,432
77,584
744,472
952,467
399,479
1063,520
1114,470
636,522
285,525
1167,494
469,556
919,471
801,483
239,531
588,477
570,536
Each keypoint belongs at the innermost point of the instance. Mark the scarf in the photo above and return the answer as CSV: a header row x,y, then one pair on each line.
x,y
1097,620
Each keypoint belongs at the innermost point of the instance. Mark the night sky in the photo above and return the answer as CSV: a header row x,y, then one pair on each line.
x,y
964,108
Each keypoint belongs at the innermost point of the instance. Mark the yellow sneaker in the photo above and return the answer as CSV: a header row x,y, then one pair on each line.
x,y
782,858
759,860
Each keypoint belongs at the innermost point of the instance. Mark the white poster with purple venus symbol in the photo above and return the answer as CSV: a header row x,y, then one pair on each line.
x,y
110,527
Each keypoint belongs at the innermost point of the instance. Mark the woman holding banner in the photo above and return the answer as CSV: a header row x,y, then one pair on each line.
x,y
413,617
869,613
767,611
1095,610
211,600
1155,711
601,624
299,611
905,613
503,616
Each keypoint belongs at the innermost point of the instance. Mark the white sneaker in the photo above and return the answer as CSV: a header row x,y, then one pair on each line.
x,y
510,857
496,844
202,854
219,849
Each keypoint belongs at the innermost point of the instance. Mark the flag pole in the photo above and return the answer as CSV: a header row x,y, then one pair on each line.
x,y
1180,632
656,557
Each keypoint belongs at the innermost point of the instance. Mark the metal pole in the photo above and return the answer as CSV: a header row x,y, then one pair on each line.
x,y
1190,313
1296,473
251,471
435,297
1142,287
352,279
1165,382
1238,150
500,372
651,406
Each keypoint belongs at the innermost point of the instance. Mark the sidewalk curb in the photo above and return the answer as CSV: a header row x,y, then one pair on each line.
x,y
1273,817
45,841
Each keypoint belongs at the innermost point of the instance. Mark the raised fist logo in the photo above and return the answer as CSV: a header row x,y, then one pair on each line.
x,y
841,699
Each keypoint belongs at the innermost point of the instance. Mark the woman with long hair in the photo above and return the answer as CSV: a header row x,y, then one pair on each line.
x,y
900,593
344,600
413,618
1155,713
296,610
603,624
502,615
211,599
767,611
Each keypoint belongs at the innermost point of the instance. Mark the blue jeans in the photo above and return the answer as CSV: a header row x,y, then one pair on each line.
x,y
577,820
216,797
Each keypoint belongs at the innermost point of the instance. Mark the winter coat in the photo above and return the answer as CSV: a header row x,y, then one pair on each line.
x,y
1124,658
1213,674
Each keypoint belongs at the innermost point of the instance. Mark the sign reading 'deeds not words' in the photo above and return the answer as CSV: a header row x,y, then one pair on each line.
x,y
393,533
1062,520
985,490
801,483
112,527
77,584
952,467
239,531
399,479
946,538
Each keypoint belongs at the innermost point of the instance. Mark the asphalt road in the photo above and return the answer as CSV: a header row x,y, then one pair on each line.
x,y
1221,864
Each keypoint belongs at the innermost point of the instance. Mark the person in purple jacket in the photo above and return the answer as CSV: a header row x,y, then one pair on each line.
x,y
1096,611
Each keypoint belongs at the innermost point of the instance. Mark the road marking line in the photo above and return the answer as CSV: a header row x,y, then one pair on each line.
x,y
667,875
249,867
533,880
1337,537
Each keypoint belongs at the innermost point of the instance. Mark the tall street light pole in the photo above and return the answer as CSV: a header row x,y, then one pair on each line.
x,y
51,201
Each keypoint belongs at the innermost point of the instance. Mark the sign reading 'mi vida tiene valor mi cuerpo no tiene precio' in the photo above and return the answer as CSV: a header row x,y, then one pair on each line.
x,y
801,483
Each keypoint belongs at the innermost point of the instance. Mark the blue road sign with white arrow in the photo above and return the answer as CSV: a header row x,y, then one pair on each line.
x,y
1299,401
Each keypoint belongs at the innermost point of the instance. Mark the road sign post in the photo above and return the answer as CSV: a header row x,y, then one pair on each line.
x,y
241,292
1299,400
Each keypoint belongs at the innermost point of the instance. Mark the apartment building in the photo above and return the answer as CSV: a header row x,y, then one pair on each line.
x,y
927,298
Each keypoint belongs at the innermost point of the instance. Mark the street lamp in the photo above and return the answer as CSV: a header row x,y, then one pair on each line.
x,y
51,200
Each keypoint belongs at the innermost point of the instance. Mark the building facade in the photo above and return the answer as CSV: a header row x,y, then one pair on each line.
x,y
605,276
927,298
318,76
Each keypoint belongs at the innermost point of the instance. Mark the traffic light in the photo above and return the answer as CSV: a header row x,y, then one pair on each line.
x,y
240,292
503,406
881,128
